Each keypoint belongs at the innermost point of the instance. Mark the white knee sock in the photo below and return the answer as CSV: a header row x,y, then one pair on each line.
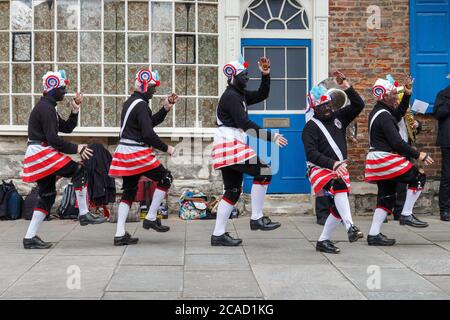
x,y
343,207
158,197
329,227
122,216
411,198
378,219
223,213
258,194
82,200
38,217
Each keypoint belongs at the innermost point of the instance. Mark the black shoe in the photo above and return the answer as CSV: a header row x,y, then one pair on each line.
x,y
36,243
412,221
89,218
445,216
321,221
264,224
124,240
327,246
380,240
354,233
155,225
225,240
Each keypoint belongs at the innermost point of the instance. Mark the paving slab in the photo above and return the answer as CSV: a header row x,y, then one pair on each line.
x,y
154,254
13,266
147,278
430,295
204,247
442,282
222,284
87,248
142,295
205,262
305,282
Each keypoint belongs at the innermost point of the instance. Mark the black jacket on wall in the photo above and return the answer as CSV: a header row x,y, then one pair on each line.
x,y
442,113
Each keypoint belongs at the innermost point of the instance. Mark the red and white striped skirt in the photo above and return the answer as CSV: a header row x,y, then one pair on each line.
x,y
132,160
319,177
41,161
228,153
381,165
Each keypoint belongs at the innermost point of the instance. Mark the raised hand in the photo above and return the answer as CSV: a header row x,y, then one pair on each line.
x,y
409,82
84,151
280,140
170,101
341,79
264,65
76,102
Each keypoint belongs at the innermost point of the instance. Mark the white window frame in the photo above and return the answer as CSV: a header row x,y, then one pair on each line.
x,y
114,131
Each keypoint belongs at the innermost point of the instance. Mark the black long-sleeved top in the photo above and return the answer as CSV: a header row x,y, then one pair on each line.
x,y
442,114
384,135
232,108
45,123
317,149
141,121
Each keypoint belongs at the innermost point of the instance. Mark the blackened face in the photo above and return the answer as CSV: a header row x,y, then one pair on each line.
x,y
324,111
241,80
151,90
59,93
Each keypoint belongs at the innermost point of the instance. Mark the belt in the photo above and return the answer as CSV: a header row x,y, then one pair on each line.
x,y
132,143
37,143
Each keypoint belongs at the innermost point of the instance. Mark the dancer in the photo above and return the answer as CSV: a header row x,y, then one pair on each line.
x,y
44,158
325,143
234,157
134,156
386,162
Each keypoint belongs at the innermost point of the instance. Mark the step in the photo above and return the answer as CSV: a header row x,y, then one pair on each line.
x,y
281,204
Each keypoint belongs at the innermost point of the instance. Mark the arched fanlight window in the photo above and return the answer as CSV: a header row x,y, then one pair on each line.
x,y
275,14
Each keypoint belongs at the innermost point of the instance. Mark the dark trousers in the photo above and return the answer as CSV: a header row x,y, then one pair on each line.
x,y
400,192
47,186
323,205
444,188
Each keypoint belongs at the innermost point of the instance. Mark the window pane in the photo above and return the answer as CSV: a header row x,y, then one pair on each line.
x,y
90,46
91,112
44,13
132,72
90,78
161,16
4,17
252,56
207,81
4,48
207,49
156,104
207,18
4,110
114,79
184,49
4,84
39,71
68,12
114,13
21,109
137,15
296,94
21,14
276,100
43,46
296,61
22,46
185,80
21,74
277,61
185,113
165,76
67,46
254,85
72,76
185,17
161,48
91,13
114,44
207,112
113,110
137,47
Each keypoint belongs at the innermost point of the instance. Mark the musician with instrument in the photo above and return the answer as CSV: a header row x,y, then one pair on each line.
x,y
324,140
387,161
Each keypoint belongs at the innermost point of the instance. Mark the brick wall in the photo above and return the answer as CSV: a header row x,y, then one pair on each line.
x,y
365,55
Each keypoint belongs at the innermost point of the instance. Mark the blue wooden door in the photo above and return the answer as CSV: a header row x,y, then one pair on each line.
x,y
430,47
284,110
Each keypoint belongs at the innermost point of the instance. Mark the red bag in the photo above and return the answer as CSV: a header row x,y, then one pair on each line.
x,y
146,188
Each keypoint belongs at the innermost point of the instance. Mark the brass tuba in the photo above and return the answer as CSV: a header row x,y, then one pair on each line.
x,y
340,100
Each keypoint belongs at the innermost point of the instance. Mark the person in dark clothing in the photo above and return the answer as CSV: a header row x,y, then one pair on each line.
x,y
322,206
44,158
442,114
234,157
387,161
325,143
135,156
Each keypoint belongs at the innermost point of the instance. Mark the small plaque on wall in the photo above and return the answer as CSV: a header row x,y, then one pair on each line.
x,y
276,123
